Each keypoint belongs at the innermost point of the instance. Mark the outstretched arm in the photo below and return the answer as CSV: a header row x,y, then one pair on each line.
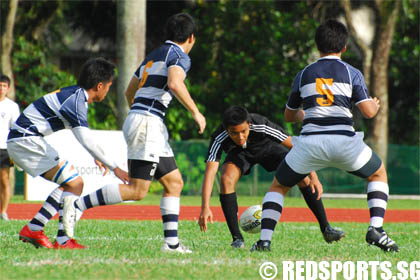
x,y
176,85
206,215
84,136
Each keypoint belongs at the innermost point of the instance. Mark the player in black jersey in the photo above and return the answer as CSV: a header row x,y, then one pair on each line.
x,y
249,139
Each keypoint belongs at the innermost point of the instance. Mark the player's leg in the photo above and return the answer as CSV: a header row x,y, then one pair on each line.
x,y
141,174
273,201
4,183
4,192
71,185
169,176
377,197
228,200
329,233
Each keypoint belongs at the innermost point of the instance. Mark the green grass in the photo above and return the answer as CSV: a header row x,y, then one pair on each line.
x,y
153,199
130,250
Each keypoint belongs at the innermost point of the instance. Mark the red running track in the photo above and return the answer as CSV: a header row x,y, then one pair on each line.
x,y
152,212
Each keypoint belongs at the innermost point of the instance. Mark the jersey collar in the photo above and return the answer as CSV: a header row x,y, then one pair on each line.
x,y
329,57
173,43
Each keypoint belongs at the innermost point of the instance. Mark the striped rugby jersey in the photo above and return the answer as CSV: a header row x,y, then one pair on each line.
x,y
262,135
64,108
153,94
326,89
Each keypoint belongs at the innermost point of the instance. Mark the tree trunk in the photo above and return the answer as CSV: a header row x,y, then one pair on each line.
x,y
6,46
375,65
387,12
131,41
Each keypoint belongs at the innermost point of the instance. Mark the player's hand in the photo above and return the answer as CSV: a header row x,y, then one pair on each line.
x,y
316,185
377,102
205,216
102,167
122,175
201,121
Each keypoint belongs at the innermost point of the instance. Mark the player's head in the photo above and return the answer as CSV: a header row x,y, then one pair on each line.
x,y
97,75
236,123
4,86
180,28
331,37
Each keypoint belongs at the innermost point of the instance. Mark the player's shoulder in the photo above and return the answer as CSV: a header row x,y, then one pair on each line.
x,y
256,118
219,131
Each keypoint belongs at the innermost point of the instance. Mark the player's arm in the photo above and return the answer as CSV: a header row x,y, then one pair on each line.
x,y
206,189
288,142
84,136
369,107
131,90
294,115
177,86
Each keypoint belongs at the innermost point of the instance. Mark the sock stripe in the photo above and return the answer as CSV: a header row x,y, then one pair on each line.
x,y
267,223
54,203
377,195
44,212
37,222
377,212
169,218
87,202
273,206
100,196
170,233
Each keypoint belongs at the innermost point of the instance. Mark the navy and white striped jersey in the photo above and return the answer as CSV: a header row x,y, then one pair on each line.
x,y
326,89
64,108
153,94
262,135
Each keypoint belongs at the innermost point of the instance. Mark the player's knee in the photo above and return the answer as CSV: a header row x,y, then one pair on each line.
x,y
379,175
227,183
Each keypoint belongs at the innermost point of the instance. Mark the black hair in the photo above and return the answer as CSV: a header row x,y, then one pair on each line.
x,y
331,36
179,27
4,79
95,71
235,115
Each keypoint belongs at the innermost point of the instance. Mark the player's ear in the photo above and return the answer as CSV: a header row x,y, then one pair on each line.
x,y
344,49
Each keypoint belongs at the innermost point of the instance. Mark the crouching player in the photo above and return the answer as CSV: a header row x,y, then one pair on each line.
x,y
250,139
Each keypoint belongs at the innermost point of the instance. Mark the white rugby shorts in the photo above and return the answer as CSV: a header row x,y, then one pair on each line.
x,y
314,152
33,154
146,137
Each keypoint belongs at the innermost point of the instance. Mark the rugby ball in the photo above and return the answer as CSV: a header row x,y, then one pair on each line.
x,y
250,220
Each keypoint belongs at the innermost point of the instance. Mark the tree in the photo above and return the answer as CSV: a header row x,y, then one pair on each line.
x,y
6,45
131,35
375,63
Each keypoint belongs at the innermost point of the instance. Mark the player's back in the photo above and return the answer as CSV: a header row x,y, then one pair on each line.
x,y
64,108
153,94
327,89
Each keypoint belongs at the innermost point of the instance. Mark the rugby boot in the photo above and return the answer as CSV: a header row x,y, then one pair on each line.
x,y
70,244
36,238
238,243
261,245
381,240
331,234
180,248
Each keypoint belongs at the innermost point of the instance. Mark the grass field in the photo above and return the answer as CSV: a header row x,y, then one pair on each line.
x,y
130,249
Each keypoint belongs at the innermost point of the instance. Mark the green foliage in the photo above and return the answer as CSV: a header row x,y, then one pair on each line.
x,y
247,53
35,74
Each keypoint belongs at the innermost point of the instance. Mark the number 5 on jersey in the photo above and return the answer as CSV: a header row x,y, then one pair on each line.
x,y
145,73
327,98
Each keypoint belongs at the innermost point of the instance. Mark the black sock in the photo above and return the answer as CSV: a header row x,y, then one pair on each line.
x,y
316,206
230,210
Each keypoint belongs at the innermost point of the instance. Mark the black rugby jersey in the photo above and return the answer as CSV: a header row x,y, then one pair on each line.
x,y
262,135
